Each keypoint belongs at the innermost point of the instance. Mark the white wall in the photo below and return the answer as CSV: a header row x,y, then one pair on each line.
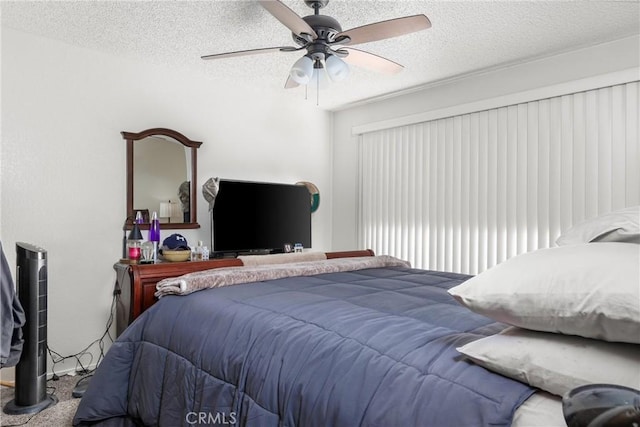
x,y
601,59
63,160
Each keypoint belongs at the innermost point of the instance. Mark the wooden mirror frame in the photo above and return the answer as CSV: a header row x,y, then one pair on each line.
x,y
131,138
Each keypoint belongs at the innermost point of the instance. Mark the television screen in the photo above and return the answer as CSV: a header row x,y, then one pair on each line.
x,y
257,216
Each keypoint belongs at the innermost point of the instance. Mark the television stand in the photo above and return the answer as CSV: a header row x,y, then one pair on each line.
x,y
235,254
259,252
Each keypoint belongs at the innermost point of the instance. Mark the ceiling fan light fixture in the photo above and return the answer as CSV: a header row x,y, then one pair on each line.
x,y
336,68
318,34
319,78
302,70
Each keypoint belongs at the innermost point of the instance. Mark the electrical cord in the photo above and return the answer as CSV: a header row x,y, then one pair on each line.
x,y
81,368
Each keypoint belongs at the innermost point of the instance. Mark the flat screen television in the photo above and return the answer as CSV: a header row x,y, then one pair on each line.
x,y
258,216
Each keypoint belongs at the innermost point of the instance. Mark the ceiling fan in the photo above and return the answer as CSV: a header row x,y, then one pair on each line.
x,y
328,46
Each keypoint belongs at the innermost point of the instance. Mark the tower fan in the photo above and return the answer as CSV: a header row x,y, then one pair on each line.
x,y
31,372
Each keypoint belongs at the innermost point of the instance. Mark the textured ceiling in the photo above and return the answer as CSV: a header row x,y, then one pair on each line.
x,y
466,36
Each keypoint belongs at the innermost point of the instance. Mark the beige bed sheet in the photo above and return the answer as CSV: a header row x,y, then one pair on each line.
x,y
542,409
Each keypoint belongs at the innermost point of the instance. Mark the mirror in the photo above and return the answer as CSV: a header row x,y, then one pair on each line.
x,y
161,177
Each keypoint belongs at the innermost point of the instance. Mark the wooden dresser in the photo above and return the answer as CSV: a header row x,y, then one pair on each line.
x,y
136,283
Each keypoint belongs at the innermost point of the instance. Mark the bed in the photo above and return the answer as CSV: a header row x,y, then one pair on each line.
x,y
364,341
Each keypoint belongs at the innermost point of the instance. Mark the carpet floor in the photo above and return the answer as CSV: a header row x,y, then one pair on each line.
x,y
58,415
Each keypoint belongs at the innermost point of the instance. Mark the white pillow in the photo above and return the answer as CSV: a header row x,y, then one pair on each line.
x,y
619,226
591,290
556,363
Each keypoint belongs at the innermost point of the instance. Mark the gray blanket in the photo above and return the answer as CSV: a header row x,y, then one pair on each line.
x,y
373,347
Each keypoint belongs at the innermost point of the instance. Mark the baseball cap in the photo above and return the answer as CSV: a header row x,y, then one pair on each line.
x,y
175,242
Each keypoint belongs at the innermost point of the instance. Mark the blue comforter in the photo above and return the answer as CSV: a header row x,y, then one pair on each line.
x,y
371,347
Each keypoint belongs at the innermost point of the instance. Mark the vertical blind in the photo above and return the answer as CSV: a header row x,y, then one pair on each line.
x,y
467,192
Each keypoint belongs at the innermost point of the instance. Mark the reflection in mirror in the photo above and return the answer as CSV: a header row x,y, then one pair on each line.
x,y
161,177
161,174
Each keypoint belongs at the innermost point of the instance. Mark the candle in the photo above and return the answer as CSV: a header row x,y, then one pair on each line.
x,y
134,252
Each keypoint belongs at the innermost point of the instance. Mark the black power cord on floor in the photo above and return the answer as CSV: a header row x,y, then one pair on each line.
x,y
81,386
83,370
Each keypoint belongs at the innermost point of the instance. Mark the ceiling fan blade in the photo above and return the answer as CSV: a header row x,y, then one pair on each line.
x,y
290,84
384,30
250,52
371,61
289,18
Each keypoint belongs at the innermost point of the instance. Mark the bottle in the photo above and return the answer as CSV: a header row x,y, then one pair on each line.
x,y
199,251
154,234
205,253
